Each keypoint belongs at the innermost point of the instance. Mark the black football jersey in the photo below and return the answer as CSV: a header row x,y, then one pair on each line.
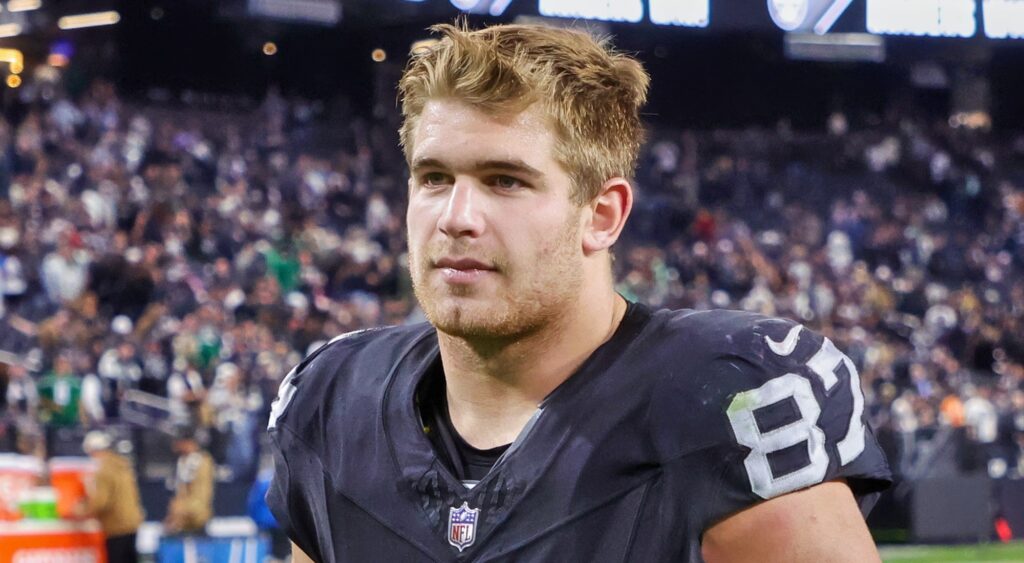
x,y
679,420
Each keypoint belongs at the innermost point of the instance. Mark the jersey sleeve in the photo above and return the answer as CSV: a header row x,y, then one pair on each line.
x,y
295,489
778,408
297,437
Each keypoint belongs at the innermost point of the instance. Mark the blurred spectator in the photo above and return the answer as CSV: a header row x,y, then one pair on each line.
x,y
982,423
187,395
112,497
65,271
192,505
60,394
233,409
19,400
119,370
906,426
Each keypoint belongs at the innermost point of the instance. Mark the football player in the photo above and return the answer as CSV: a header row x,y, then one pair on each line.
x,y
539,416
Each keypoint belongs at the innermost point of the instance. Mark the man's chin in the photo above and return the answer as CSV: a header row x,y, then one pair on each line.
x,y
462,323
470,331
464,318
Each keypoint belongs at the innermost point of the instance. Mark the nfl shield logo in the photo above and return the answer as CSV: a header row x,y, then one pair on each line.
x,y
462,525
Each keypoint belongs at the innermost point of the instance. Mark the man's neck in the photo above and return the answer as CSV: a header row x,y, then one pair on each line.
x,y
494,388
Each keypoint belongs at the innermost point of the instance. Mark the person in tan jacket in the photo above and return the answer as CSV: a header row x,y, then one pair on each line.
x,y
192,505
112,497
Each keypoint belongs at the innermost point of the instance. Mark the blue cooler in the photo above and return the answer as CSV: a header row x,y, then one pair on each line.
x,y
205,549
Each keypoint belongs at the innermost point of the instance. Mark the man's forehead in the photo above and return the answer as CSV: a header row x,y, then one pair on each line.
x,y
450,130
462,115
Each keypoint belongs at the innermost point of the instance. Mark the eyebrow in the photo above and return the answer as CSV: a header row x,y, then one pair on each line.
x,y
515,166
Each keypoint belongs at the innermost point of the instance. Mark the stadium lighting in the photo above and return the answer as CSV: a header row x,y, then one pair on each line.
x,y
14,58
88,20
24,5
10,30
57,60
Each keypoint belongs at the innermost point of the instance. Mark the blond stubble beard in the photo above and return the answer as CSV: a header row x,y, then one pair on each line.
x,y
513,311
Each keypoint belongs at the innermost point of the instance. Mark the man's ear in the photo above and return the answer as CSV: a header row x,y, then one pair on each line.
x,y
608,214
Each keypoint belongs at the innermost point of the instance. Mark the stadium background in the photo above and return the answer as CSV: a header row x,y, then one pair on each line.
x,y
197,194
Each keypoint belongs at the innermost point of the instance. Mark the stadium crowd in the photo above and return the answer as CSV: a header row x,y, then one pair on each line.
x,y
184,258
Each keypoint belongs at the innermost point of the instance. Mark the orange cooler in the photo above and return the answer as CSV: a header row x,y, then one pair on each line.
x,y
55,541
18,475
68,475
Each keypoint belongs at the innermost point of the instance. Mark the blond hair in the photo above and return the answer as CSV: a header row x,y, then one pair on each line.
x,y
590,93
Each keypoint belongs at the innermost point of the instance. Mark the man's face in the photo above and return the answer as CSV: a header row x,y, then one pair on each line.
x,y
126,350
494,239
182,446
62,365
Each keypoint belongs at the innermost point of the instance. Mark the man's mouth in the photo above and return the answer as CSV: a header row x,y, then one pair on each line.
x,y
463,271
462,264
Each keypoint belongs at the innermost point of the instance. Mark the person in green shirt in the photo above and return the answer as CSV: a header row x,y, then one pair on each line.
x,y
283,264
60,395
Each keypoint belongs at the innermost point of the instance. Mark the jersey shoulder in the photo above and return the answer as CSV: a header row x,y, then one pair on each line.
x,y
771,405
725,333
723,352
716,361
345,371
705,356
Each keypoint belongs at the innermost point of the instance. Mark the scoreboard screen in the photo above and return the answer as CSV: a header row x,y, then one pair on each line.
x,y
690,13
995,19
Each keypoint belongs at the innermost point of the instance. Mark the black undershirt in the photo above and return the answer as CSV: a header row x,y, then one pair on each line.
x,y
468,464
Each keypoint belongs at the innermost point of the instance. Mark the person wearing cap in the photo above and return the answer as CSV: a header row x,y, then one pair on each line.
x,y
192,505
112,497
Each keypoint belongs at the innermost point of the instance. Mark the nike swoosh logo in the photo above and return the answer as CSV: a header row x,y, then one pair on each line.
x,y
788,344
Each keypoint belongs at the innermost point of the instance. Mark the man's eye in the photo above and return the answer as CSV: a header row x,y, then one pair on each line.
x,y
507,182
434,179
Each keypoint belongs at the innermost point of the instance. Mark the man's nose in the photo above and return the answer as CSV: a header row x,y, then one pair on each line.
x,y
463,212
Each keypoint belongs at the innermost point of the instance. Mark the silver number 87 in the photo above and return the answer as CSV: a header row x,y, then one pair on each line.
x,y
824,364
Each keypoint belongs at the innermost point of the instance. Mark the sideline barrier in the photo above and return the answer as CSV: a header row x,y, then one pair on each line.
x,y
952,509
